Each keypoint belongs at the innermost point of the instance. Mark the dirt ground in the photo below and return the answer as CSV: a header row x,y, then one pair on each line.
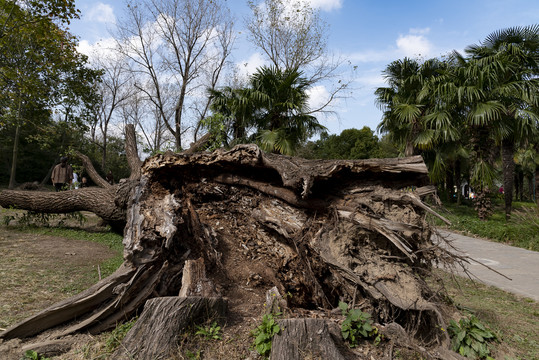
x,y
37,271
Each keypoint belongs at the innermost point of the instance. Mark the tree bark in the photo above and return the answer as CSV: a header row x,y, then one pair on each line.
x,y
131,152
308,339
14,159
155,334
92,172
97,200
508,174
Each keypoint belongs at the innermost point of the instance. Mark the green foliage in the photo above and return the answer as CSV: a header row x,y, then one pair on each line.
x,y
350,144
460,109
32,218
41,74
274,105
32,355
118,334
264,333
357,325
216,126
211,332
194,355
470,338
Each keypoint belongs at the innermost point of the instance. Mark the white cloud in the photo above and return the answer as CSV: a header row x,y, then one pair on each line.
x,y
103,13
369,56
105,48
372,79
326,5
414,45
318,96
419,31
84,47
249,66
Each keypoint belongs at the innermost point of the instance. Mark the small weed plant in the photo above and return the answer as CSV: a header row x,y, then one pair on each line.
x,y
194,355
264,333
32,218
210,332
33,355
357,325
118,334
470,338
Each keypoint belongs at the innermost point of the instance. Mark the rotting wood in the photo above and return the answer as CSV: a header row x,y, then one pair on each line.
x,y
195,282
155,334
307,339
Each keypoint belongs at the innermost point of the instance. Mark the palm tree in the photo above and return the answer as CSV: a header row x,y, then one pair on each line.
x,y
282,118
406,109
504,70
274,106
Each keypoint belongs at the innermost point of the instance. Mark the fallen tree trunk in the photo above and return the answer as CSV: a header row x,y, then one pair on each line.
x,y
106,201
109,203
319,231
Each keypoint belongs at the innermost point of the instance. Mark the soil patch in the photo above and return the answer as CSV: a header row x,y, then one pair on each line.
x,y
36,271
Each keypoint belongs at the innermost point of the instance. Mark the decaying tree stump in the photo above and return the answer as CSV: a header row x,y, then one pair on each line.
x,y
319,231
308,339
155,334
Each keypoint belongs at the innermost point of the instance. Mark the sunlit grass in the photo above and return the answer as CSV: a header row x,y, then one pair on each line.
x,y
521,230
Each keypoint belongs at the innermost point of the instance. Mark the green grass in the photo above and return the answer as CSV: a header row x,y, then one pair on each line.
x,y
514,319
108,238
61,229
522,230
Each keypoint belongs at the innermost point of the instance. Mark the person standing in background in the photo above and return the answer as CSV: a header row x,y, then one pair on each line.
x,y
62,175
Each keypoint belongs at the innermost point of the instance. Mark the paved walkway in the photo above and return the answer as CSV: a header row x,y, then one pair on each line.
x,y
520,265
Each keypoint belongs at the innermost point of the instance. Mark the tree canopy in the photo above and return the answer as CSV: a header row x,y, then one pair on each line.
x,y
41,73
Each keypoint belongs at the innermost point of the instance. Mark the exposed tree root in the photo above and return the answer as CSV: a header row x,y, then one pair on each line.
x,y
319,231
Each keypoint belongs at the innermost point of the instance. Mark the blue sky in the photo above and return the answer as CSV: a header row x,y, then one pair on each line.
x,y
370,34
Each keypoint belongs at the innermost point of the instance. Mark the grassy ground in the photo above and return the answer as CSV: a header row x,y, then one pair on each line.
x,y
44,264
514,319
521,230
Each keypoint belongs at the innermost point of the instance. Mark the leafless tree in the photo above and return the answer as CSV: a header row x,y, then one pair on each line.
x,y
113,89
143,114
177,49
293,35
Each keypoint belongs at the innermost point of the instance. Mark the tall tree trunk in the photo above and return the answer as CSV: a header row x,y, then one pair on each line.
x,y
536,187
450,185
131,152
104,154
12,176
458,181
518,189
508,174
520,179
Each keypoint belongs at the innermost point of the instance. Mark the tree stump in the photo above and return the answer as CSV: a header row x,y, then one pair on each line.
x,y
308,339
155,334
